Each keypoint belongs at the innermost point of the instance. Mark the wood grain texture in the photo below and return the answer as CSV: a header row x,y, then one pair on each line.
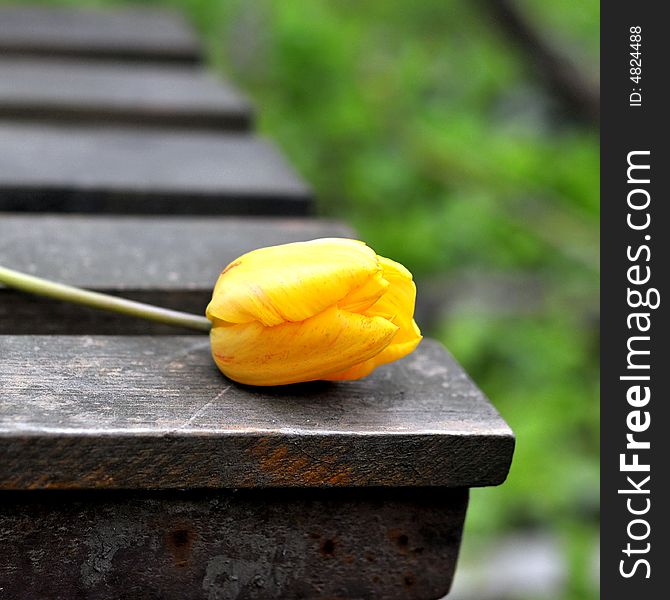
x,y
76,91
176,263
154,412
121,33
256,544
122,170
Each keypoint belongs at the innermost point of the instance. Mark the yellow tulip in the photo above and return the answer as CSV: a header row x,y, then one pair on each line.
x,y
325,309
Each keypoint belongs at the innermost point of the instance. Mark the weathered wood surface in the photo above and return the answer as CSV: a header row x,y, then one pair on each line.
x,y
375,543
175,263
119,33
137,94
84,169
154,412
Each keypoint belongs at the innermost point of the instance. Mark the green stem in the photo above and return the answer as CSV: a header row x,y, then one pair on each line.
x,y
68,293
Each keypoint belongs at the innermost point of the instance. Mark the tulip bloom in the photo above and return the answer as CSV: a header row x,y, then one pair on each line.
x,y
325,309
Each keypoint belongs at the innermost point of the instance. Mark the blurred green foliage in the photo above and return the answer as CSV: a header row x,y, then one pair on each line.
x,y
424,127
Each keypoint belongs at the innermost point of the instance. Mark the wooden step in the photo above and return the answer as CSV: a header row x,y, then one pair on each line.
x,y
136,33
78,91
154,412
88,169
168,261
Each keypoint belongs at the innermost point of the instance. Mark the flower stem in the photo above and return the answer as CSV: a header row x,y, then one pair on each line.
x,y
68,293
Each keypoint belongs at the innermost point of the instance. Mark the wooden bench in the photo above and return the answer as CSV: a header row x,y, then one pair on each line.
x,y
130,466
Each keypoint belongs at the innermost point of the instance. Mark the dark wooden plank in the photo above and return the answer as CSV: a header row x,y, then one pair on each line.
x,y
154,412
119,33
83,169
137,94
176,261
398,543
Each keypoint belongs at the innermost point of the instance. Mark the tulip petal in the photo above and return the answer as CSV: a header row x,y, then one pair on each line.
x,y
292,282
333,340
362,298
392,352
397,305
